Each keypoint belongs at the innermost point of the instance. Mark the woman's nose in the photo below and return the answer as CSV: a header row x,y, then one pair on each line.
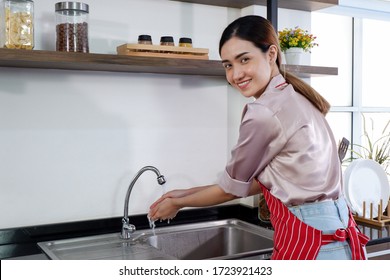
x,y
238,73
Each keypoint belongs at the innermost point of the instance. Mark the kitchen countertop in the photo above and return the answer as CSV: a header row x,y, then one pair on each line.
x,y
21,243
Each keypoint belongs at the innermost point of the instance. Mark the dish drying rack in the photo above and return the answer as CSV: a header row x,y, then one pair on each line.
x,y
379,221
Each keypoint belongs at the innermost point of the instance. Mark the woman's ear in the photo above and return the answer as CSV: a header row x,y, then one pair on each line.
x,y
272,53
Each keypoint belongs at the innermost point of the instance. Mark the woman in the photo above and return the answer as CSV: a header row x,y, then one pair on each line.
x,y
285,149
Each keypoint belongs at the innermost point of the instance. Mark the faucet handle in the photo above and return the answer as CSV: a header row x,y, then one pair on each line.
x,y
127,229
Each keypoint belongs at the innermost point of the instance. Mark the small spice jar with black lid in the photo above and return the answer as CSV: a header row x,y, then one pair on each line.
x,y
145,39
72,27
167,41
185,42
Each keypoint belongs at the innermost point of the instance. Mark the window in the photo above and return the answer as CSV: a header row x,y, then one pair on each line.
x,y
360,89
375,63
335,50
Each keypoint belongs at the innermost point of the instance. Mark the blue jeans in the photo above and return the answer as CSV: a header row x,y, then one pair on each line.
x,y
327,216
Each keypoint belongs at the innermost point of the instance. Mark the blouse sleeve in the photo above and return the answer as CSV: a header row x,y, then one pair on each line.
x,y
260,140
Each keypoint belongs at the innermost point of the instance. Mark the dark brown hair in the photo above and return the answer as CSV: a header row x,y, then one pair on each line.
x,y
262,34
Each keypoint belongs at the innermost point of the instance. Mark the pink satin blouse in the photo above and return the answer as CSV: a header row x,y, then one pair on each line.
x,y
287,144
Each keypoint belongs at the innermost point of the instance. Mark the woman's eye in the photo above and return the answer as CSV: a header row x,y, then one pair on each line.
x,y
227,66
244,60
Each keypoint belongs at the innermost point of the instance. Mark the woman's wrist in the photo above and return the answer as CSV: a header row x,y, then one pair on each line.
x,y
178,202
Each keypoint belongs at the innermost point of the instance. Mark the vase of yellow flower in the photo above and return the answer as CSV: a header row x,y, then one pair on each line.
x,y
293,55
293,42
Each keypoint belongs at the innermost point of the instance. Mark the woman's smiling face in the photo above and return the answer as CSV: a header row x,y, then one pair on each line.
x,y
248,68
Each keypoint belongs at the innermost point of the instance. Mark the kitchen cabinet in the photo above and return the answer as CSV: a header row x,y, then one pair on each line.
x,y
303,5
121,63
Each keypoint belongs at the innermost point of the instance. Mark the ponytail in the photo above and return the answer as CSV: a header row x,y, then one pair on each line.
x,y
307,91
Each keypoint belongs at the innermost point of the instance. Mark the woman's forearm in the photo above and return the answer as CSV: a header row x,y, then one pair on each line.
x,y
204,196
169,204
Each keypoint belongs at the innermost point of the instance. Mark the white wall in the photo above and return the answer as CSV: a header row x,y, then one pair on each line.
x,y
71,141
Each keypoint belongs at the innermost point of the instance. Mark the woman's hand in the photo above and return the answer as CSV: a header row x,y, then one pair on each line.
x,y
171,194
164,208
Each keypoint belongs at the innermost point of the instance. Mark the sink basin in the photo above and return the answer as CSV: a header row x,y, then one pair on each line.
x,y
224,239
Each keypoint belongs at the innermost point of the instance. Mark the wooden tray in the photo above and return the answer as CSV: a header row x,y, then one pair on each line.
x,y
162,51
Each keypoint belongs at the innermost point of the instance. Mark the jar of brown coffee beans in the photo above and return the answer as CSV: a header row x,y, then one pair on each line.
x,y
72,27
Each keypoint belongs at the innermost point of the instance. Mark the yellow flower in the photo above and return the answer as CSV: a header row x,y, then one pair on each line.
x,y
296,37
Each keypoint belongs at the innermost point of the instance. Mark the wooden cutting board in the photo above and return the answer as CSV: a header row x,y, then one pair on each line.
x,y
162,51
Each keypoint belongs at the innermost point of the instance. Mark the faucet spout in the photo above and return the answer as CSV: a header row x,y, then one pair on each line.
x,y
127,228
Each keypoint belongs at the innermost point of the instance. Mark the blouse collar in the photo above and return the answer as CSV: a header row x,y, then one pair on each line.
x,y
276,82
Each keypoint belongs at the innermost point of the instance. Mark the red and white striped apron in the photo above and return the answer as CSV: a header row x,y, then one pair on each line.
x,y
295,240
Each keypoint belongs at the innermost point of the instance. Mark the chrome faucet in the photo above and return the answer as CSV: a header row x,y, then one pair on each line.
x,y
127,228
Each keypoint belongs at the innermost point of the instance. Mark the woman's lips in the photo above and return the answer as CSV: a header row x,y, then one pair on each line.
x,y
243,85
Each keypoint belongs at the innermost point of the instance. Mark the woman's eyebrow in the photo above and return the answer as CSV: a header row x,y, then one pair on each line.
x,y
236,57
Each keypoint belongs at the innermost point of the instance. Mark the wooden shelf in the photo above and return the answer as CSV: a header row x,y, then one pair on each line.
x,y
306,71
122,63
303,5
107,62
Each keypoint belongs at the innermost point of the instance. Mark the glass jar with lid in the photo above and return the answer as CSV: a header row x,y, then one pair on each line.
x,y
167,41
72,27
17,24
145,39
185,42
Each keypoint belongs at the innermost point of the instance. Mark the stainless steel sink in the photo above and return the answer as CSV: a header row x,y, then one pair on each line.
x,y
225,239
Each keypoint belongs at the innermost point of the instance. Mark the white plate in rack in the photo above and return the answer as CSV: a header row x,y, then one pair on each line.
x,y
366,180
